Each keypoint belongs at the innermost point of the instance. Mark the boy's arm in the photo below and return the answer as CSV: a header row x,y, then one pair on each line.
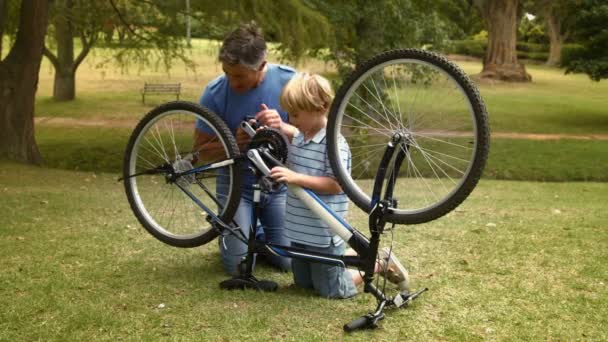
x,y
289,130
324,185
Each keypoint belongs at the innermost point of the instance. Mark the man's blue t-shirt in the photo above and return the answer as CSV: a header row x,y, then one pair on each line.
x,y
234,108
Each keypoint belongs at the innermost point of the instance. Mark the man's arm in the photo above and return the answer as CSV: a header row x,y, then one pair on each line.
x,y
209,148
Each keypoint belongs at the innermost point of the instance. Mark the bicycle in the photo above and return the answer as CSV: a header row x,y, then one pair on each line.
x,y
399,101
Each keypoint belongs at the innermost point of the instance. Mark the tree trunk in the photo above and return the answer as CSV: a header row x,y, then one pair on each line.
x,y
555,37
64,86
18,83
500,61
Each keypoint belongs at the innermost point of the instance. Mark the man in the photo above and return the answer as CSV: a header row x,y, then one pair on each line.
x,y
250,86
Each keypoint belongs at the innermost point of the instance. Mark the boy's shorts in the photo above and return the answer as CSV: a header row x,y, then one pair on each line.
x,y
327,280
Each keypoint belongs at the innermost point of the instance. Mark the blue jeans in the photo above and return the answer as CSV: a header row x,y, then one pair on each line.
x,y
272,218
328,281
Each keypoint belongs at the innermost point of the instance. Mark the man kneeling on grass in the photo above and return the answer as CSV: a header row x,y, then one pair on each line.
x,y
307,99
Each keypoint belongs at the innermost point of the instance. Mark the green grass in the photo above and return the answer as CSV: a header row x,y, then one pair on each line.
x,y
102,149
552,103
516,261
550,160
83,148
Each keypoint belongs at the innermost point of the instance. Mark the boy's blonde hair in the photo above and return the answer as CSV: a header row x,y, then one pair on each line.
x,y
307,92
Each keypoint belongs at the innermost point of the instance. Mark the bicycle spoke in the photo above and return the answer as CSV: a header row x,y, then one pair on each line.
x,y
430,103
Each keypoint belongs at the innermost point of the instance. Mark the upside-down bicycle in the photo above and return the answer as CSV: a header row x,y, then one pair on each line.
x,y
414,122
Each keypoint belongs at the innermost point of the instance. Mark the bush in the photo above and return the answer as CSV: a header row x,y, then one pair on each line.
x,y
571,52
532,47
536,56
475,48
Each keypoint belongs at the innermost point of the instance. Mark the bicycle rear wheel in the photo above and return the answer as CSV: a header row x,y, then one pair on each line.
x,y
173,207
430,101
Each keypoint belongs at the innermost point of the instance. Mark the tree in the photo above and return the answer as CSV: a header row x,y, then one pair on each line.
x,y
461,21
591,31
70,18
559,17
362,30
293,24
19,80
500,61
152,30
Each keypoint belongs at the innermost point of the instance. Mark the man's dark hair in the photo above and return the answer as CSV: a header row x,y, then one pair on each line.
x,y
245,45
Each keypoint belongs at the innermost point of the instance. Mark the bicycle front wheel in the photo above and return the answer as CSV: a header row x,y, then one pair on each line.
x,y
174,185
432,103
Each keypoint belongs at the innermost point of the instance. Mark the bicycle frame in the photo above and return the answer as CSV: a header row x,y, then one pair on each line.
x,y
366,248
336,224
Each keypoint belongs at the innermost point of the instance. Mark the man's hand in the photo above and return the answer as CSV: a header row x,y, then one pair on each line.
x,y
242,138
268,117
284,175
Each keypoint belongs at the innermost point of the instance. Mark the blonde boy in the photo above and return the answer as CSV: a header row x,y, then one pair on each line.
x,y
307,99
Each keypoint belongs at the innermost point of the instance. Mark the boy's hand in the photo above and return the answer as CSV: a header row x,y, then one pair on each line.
x,y
268,117
284,175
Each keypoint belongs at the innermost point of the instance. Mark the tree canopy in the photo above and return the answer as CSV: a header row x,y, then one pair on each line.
x,y
361,30
591,31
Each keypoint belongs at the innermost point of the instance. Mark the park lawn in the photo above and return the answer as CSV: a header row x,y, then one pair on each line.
x,y
516,261
101,149
552,103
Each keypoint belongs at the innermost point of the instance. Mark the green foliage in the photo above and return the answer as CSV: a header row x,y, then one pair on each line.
x,y
474,48
535,56
293,24
532,51
362,30
572,52
9,22
531,47
461,19
477,48
592,33
150,33
481,35
532,31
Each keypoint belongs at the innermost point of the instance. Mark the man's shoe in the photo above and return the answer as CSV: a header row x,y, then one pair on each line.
x,y
392,268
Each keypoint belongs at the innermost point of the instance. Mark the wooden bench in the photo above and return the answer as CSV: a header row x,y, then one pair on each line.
x,y
160,88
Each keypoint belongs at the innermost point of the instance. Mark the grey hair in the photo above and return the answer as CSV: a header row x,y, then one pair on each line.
x,y
245,46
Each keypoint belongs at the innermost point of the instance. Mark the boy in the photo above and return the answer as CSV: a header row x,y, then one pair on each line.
x,y
307,99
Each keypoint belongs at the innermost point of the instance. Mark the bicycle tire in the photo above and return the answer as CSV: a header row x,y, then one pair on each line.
x,y
417,69
159,203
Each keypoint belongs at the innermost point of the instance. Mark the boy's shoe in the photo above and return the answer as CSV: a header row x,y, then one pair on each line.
x,y
392,268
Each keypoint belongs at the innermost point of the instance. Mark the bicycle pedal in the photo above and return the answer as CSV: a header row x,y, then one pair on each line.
x,y
405,297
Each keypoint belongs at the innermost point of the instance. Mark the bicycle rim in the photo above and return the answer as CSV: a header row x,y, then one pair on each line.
x,y
165,141
435,106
